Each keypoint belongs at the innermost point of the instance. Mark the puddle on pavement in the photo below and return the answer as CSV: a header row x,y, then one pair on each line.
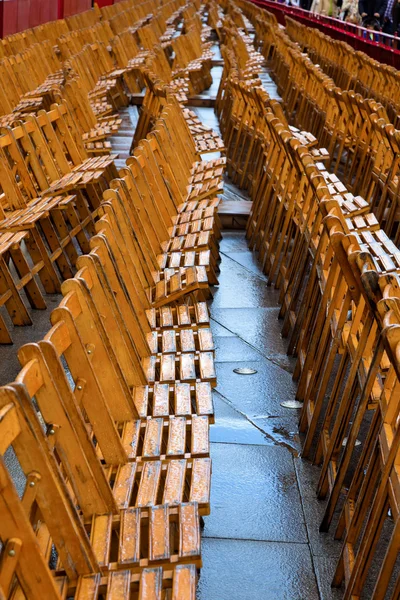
x,y
237,431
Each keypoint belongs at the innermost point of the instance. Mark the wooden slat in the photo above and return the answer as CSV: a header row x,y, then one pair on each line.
x,y
201,475
159,547
185,581
204,403
189,531
119,586
186,338
161,400
153,438
123,485
200,435
130,438
206,342
151,584
167,367
177,436
187,367
129,543
175,482
169,341
149,482
88,587
182,399
100,538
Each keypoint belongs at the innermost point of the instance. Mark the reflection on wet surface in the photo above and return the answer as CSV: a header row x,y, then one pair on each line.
x,y
235,427
261,539
249,570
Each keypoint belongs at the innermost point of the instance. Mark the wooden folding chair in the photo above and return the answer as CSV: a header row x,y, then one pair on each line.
x,y
79,553
125,479
373,497
21,260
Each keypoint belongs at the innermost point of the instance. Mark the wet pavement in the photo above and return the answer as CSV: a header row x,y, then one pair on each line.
x,y
9,364
261,540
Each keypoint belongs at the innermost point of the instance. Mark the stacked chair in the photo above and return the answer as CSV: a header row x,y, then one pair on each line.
x,y
356,129
324,223
109,416
66,85
349,69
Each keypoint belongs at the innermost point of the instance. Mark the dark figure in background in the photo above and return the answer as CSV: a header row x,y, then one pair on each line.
x,y
372,12
388,26
305,4
396,17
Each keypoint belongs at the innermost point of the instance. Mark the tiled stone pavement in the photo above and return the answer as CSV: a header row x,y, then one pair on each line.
x,y
261,540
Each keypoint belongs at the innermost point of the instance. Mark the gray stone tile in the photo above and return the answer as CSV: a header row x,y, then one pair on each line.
x,y
220,331
216,52
259,394
308,476
233,192
233,428
233,241
206,114
249,261
210,156
281,430
246,570
9,363
240,288
254,495
257,326
233,349
322,544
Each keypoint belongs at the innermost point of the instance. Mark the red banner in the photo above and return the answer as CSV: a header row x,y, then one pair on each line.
x,y
17,15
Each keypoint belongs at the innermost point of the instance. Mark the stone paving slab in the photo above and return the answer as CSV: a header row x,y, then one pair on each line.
x,y
232,427
241,288
263,395
254,495
246,570
233,349
261,540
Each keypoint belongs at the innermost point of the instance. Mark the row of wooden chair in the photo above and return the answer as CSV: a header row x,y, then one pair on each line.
x,y
242,106
361,143
31,74
82,49
109,417
158,94
52,189
338,273
152,474
350,69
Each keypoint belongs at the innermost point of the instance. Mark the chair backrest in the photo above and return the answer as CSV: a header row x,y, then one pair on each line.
x,y
45,382
35,153
46,492
21,556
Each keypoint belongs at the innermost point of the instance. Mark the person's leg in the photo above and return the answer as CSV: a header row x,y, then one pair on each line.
x,y
387,27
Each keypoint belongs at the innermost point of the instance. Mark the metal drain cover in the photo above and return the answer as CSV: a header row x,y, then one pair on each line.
x,y
292,404
244,371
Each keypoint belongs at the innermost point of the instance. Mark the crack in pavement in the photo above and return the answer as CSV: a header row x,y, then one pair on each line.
x,y
266,356
295,453
261,277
